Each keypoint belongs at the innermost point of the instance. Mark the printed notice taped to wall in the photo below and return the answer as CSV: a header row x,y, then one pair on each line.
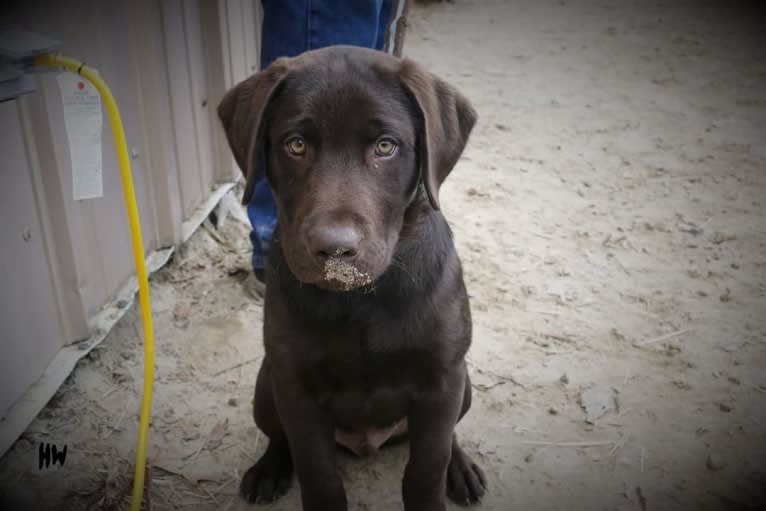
x,y
83,120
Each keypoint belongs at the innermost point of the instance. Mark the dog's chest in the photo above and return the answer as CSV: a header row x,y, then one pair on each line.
x,y
366,418
367,393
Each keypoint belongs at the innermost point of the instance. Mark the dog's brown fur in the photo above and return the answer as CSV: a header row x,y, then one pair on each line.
x,y
377,347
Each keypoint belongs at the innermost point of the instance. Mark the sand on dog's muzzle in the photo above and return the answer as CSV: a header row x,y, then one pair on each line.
x,y
346,274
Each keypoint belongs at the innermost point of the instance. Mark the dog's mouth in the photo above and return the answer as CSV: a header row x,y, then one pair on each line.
x,y
340,275
338,271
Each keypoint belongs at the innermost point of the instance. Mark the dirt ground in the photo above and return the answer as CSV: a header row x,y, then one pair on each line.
x,y
610,215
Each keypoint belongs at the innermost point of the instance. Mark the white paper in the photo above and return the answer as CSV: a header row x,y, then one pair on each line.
x,y
83,121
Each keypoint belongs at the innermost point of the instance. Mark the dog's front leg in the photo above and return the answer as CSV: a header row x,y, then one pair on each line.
x,y
311,436
431,424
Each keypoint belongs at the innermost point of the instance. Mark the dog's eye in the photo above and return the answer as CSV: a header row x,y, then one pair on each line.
x,y
385,147
296,146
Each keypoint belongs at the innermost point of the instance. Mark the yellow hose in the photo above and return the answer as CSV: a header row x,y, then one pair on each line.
x,y
126,176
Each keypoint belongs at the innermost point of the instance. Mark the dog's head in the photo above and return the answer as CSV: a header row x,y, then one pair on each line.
x,y
345,136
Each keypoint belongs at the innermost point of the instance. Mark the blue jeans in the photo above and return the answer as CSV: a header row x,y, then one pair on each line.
x,y
291,27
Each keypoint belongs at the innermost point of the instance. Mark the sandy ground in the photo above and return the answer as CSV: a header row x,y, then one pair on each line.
x,y
610,215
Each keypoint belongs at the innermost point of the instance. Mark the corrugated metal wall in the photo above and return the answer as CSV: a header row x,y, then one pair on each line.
x,y
168,64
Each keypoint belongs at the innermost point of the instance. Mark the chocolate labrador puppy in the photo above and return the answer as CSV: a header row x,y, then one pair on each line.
x,y
366,316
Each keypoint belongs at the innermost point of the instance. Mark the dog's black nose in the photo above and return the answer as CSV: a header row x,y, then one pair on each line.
x,y
338,241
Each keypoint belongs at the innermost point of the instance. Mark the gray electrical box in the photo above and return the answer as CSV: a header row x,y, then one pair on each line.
x,y
18,49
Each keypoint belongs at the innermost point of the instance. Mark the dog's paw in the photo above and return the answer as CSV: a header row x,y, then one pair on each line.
x,y
268,479
466,483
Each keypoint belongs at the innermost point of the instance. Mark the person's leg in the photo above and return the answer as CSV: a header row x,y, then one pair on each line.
x,y
262,212
291,27
382,28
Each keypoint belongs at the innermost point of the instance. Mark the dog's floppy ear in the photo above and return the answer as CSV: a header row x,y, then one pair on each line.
x,y
241,111
448,118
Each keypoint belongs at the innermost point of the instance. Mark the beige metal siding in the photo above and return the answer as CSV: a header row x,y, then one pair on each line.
x,y
59,244
168,64
156,123
29,323
182,106
97,227
240,29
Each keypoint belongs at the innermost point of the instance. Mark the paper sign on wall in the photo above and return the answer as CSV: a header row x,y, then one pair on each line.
x,y
83,121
